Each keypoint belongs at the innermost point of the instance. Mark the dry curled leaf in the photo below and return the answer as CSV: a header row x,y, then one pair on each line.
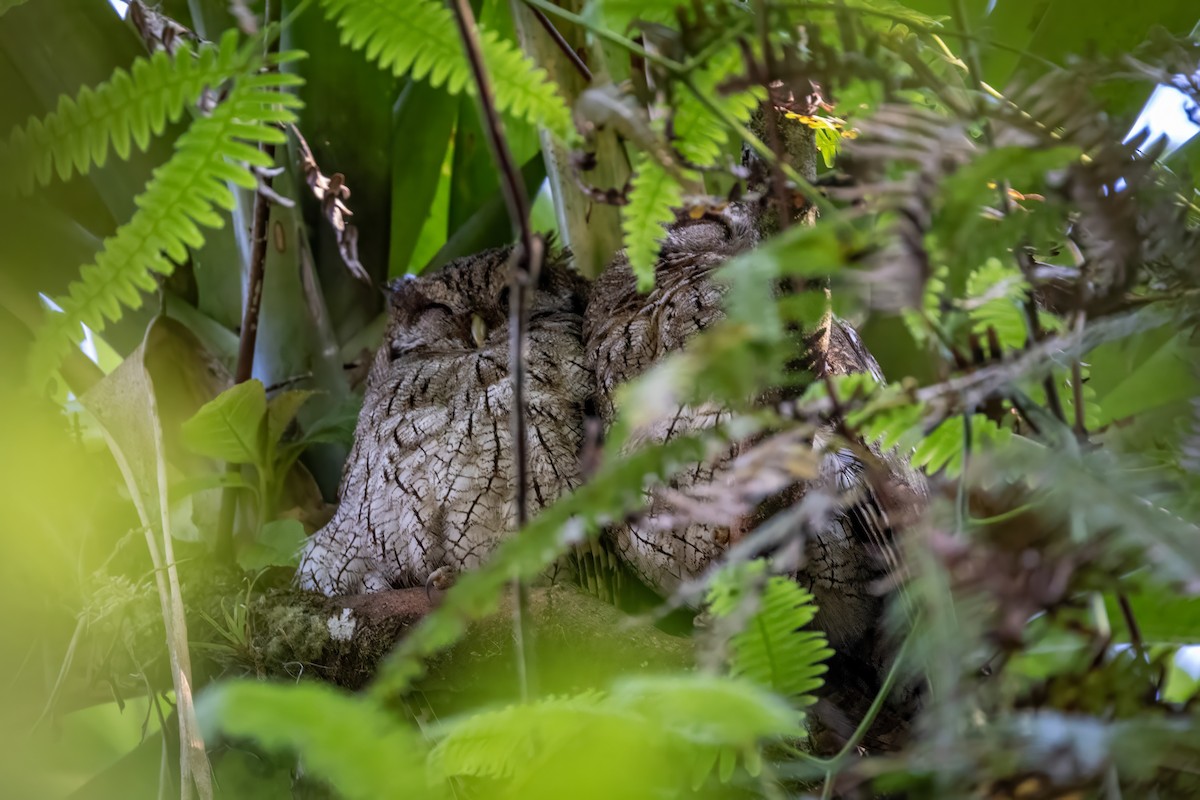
x,y
332,192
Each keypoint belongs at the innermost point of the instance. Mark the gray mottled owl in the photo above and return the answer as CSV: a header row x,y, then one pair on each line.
x,y
429,483
625,333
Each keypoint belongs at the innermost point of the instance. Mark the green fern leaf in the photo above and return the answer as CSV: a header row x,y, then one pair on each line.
x,y
653,194
943,447
127,109
663,731
497,744
771,650
420,37
998,292
180,197
701,135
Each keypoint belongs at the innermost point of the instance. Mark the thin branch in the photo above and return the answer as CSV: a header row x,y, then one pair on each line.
x,y
526,264
1135,631
1077,385
248,334
674,67
562,43
864,725
783,202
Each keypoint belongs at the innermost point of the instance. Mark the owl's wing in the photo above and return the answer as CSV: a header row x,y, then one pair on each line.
x,y
891,490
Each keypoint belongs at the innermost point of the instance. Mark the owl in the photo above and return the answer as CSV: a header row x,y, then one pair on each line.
x,y
429,483
626,332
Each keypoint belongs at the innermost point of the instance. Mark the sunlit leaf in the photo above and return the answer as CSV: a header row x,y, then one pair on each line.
x,y
231,427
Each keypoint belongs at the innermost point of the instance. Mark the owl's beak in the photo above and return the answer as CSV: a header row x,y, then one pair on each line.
x,y
478,330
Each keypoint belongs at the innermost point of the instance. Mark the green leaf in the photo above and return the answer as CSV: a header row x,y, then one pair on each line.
x,y
708,709
203,483
281,410
896,12
232,426
771,650
1181,685
997,292
1055,29
490,225
215,150
127,109
944,447
421,37
666,733
700,134
1121,372
653,195
5,5
1163,616
620,15
353,744
278,545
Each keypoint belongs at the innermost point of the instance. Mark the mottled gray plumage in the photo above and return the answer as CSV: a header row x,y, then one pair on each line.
x,y
625,333
429,483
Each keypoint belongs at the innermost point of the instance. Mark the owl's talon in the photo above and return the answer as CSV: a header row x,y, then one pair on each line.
x,y
441,579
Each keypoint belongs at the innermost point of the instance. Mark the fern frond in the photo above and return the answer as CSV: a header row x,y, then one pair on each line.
x,y
665,732
653,194
496,744
996,292
420,37
771,650
132,105
701,135
944,447
180,197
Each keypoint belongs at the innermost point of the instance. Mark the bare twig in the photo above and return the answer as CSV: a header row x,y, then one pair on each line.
x,y
1135,631
562,43
332,193
248,334
779,188
602,32
525,266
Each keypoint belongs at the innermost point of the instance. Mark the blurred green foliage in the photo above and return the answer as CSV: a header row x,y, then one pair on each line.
x,y
1028,281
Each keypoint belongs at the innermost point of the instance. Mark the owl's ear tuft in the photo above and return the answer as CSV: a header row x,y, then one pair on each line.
x,y
405,295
